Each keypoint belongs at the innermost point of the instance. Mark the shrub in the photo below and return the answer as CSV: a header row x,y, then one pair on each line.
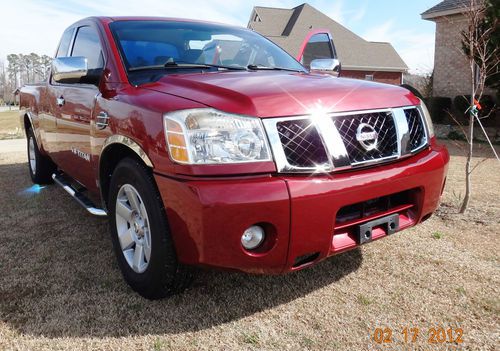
x,y
438,107
454,135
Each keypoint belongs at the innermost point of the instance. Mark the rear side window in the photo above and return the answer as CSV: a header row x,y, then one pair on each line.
x,y
87,44
62,51
318,47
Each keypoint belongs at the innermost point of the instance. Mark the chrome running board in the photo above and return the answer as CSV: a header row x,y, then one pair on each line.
x,y
84,201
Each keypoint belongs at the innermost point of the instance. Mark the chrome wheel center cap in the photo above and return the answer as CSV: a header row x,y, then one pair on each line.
x,y
138,228
138,225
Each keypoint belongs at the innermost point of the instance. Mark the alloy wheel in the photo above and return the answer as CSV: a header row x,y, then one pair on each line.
x,y
133,229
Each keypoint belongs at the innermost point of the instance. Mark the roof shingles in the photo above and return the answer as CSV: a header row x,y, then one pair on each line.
x,y
289,27
445,7
271,22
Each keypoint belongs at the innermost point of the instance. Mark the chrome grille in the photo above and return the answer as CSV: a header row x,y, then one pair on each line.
x,y
382,123
318,144
416,130
301,143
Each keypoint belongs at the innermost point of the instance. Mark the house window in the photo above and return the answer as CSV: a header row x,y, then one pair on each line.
x,y
369,77
318,47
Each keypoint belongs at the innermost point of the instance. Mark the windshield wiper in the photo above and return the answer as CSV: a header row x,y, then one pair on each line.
x,y
266,68
230,68
170,65
185,65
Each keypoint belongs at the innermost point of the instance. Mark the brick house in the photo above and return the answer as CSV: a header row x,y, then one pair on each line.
x,y
297,28
451,69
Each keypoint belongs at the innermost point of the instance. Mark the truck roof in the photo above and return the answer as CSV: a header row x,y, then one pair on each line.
x,y
108,19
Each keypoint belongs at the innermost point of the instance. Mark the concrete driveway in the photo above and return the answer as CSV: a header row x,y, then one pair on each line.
x,y
8,108
12,145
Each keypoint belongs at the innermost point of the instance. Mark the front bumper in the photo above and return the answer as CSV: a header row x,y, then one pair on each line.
x,y
208,216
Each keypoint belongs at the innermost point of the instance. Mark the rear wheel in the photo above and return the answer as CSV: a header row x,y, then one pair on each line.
x,y
40,166
140,233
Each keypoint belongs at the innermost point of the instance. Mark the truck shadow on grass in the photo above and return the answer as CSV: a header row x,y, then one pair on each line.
x,y
59,277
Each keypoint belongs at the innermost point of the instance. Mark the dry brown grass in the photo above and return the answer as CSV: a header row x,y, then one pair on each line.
x,y
60,287
10,126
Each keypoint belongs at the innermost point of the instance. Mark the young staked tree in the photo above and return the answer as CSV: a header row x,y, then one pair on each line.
x,y
483,53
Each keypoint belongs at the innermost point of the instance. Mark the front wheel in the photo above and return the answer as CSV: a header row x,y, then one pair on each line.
x,y
140,233
40,166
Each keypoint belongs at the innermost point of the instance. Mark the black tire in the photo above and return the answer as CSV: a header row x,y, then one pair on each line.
x,y
42,169
164,275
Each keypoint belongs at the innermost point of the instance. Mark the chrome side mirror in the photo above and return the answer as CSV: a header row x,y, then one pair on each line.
x,y
330,66
69,69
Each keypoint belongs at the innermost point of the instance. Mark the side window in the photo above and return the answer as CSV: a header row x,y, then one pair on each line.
x,y
62,50
87,44
318,47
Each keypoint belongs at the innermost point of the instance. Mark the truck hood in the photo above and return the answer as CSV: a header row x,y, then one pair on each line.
x,y
277,94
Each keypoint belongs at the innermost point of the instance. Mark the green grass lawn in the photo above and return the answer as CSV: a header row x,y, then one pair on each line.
x,y
10,127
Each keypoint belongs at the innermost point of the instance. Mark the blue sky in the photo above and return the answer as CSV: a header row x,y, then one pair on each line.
x,y
35,26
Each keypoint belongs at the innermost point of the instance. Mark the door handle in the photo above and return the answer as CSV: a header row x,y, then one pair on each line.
x,y
60,101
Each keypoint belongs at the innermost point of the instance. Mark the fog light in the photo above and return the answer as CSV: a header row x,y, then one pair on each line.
x,y
252,237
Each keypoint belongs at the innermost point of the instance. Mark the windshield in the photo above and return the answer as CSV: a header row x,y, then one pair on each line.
x,y
154,44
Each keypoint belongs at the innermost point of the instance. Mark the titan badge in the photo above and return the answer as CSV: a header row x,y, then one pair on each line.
x,y
81,154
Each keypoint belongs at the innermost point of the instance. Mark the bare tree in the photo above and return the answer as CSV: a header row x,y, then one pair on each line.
x,y
483,59
44,67
23,69
422,82
13,68
3,82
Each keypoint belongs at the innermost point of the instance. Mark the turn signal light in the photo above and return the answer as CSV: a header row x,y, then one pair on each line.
x,y
176,141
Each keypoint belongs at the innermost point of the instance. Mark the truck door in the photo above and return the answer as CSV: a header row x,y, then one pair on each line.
x,y
48,109
75,105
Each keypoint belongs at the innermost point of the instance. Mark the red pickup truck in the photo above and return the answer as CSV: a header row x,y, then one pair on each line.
x,y
208,145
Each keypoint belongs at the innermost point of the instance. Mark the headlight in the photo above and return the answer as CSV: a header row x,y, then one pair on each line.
x,y
428,120
208,136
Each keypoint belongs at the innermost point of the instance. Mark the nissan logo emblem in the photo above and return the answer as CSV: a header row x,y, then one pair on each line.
x,y
367,136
